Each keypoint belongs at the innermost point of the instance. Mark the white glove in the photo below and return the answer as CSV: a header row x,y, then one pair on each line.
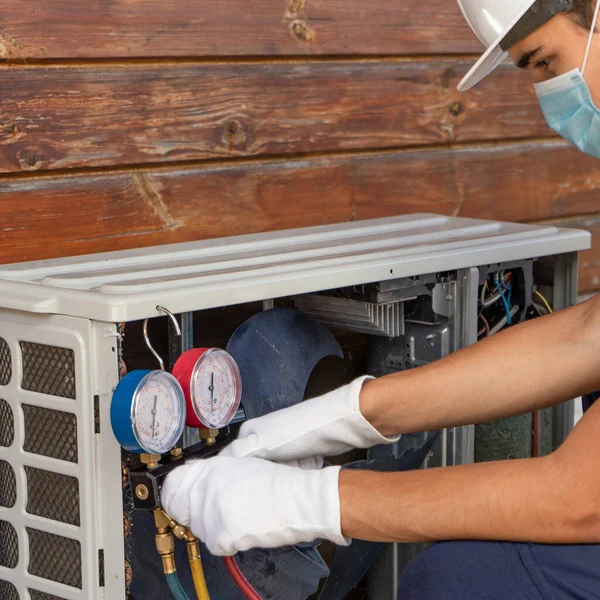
x,y
325,426
234,504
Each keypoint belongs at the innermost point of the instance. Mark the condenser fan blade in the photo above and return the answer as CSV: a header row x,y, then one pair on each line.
x,y
276,352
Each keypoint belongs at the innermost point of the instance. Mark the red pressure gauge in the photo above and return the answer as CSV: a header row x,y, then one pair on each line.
x,y
212,385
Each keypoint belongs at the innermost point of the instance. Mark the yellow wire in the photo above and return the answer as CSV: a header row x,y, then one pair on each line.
x,y
546,304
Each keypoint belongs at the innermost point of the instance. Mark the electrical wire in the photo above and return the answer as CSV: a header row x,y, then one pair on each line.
x,y
546,303
503,322
506,304
175,587
240,579
486,328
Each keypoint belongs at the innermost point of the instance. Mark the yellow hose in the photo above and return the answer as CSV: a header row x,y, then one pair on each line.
x,y
197,571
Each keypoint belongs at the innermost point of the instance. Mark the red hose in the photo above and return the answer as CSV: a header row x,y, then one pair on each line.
x,y
240,579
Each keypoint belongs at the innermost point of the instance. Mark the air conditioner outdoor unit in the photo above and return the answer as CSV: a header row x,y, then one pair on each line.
x,y
409,289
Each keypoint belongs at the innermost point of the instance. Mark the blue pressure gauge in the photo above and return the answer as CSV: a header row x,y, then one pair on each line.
x,y
148,412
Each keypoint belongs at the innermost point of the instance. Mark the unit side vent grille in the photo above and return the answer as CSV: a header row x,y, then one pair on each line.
x,y
8,485
5,363
50,433
35,595
55,558
53,496
9,546
48,370
8,591
7,424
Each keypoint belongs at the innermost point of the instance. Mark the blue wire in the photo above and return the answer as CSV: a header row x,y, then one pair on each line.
x,y
175,587
505,302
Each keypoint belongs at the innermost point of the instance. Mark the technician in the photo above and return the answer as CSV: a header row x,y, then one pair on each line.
x,y
532,526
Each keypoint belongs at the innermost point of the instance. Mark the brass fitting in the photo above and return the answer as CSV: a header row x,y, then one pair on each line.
x,y
177,452
209,436
162,520
165,543
150,460
193,549
142,492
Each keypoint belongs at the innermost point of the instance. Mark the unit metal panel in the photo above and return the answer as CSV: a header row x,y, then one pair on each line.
x,y
125,286
52,518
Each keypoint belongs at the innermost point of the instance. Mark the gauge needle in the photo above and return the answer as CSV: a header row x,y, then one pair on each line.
x,y
154,417
212,388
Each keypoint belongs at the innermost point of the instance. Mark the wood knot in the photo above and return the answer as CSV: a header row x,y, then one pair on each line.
x,y
30,161
232,128
300,30
457,109
234,134
296,6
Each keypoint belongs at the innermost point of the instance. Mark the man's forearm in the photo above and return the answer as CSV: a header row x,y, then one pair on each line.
x,y
531,366
524,500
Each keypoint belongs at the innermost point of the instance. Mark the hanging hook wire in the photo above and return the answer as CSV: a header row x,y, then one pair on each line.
x,y
172,317
147,339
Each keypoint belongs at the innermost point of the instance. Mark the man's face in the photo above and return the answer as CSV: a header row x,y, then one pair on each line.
x,y
556,48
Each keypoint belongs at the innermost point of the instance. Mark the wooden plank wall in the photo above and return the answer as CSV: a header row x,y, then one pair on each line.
x,y
139,122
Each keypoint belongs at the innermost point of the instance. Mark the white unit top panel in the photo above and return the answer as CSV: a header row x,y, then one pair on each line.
x,y
128,285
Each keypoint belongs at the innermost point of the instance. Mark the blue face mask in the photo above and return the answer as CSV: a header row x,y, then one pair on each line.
x,y
569,109
567,104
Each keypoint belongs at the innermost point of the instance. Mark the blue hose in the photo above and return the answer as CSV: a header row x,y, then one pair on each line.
x,y
175,587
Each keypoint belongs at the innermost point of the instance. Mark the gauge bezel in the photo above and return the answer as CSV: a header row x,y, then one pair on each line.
x,y
123,409
178,432
237,381
186,369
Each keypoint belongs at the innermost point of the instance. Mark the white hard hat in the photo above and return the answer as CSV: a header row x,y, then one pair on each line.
x,y
500,24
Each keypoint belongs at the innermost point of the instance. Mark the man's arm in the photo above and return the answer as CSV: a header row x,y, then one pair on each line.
x,y
554,499
529,367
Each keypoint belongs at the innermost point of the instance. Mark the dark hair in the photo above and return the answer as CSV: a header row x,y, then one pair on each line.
x,y
583,10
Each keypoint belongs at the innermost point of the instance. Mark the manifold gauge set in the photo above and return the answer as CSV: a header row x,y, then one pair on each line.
x,y
150,409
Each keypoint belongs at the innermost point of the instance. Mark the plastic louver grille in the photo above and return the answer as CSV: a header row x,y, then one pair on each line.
x,y
9,545
35,595
55,558
8,485
7,424
50,433
8,591
5,363
52,496
48,370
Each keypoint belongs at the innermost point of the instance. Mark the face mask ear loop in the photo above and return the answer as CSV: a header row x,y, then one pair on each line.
x,y
591,38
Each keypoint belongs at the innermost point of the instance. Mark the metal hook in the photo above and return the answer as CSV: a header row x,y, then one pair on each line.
x,y
172,317
147,339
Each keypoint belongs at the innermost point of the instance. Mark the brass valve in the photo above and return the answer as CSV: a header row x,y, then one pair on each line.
x,y
209,435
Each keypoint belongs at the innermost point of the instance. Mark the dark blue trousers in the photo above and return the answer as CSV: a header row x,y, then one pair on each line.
x,y
503,571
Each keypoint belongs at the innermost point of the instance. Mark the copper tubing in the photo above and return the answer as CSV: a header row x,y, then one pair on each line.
x,y
536,434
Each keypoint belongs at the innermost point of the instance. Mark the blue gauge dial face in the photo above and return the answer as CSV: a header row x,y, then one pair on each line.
x,y
158,412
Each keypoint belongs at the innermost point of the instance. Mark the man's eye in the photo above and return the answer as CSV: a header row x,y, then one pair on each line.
x,y
543,64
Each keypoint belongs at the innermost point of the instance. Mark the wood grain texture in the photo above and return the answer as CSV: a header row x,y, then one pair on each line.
x,y
45,217
65,117
48,29
589,261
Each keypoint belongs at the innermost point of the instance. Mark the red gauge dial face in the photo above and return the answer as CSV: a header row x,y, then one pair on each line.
x,y
216,388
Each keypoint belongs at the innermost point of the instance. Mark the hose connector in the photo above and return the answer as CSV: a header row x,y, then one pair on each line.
x,y
165,542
